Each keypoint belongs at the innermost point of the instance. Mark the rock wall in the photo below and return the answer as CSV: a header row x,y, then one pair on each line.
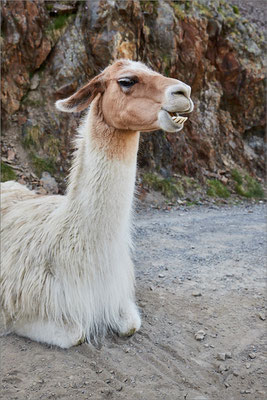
x,y
51,48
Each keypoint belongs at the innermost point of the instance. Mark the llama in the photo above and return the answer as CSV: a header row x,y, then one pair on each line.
x,y
67,274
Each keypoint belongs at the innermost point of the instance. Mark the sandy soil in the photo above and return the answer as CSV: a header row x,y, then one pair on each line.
x,y
198,269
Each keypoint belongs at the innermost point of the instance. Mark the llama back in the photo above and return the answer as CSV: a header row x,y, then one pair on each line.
x,y
12,192
23,224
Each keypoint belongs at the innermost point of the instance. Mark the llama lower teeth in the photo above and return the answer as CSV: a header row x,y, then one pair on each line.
x,y
179,120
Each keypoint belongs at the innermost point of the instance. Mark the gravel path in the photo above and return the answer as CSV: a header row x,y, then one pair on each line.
x,y
200,287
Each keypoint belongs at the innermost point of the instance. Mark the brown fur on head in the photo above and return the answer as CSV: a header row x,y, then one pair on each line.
x,y
133,97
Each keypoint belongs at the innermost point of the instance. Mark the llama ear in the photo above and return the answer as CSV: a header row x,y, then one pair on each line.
x,y
83,97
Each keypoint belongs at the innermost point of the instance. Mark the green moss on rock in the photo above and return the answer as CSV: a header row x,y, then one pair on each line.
x,y
57,26
237,177
246,186
235,9
51,146
217,189
7,173
149,6
203,9
178,10
49,7
59,21
31,137
169,187
230,21
41,165
250,188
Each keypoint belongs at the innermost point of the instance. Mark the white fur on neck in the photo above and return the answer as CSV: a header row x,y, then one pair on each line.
x,y
80,272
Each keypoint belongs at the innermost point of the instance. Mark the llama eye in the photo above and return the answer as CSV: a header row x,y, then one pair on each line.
x,y
127,82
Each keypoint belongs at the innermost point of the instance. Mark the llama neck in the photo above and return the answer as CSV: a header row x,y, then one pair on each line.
x,y
101,182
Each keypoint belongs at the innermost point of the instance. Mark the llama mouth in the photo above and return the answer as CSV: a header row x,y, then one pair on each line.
x,y
171,121
176,118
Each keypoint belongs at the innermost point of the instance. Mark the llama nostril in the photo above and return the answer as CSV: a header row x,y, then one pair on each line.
x,y
179,93
180,90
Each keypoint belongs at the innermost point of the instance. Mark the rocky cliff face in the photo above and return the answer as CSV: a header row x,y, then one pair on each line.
x,y
52,48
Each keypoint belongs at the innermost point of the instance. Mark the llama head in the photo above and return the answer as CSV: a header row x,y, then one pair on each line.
x,y
133,97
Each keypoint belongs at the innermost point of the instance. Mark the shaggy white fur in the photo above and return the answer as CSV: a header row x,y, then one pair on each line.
x,y
67,273
66,263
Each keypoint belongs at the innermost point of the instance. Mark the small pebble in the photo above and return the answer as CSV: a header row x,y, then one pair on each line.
x,y
161,275
252,355
262,316
222,368
196,294
200,335
248,365
221,356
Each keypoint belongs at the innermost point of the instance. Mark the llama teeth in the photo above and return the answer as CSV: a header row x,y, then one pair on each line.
x,y
182,120
178,119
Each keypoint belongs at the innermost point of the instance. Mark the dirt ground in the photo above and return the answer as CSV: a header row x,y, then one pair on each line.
x,y
199,271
